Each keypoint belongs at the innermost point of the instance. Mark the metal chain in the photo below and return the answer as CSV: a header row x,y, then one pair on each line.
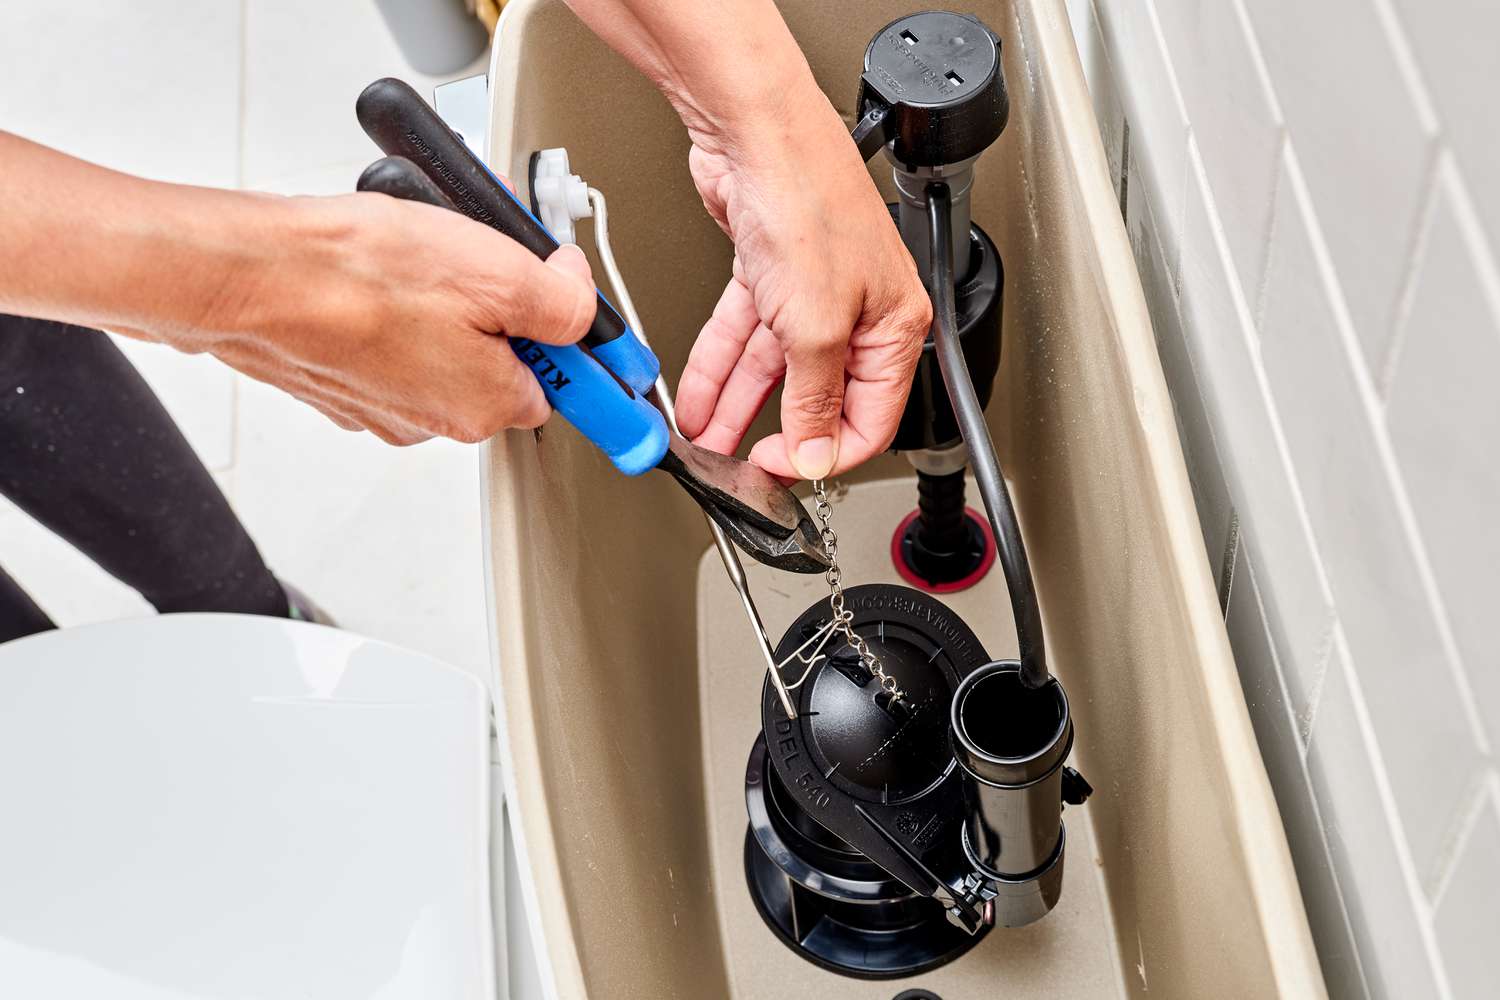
x,y
842,617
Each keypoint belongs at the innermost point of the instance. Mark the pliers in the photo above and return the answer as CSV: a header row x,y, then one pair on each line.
x,y
602,385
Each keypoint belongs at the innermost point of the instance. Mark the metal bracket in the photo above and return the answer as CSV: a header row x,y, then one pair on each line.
x,y
465,106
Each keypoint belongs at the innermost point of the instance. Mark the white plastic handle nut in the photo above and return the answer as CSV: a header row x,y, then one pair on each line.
x,y
561,195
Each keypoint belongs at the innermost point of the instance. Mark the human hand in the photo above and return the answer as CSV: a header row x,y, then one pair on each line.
x,y
823,295
381,313
384,315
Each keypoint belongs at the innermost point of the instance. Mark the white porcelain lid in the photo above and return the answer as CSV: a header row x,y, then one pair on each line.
x,y
217,806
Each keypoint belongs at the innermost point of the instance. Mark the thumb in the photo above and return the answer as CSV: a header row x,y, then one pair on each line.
x,y
812,402
569,294
570,259
553,301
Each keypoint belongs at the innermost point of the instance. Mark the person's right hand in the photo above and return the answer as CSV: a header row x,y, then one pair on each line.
x,y
823,297
384,315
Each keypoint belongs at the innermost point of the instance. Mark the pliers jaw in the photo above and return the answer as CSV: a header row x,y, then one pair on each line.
x,y
760,515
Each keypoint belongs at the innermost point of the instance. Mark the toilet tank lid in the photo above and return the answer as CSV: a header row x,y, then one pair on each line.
x,y
215,805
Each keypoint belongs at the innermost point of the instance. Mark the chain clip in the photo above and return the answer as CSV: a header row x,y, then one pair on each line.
x,y
842,616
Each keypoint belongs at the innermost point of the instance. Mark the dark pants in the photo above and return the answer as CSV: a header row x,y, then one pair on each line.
x,y
87,450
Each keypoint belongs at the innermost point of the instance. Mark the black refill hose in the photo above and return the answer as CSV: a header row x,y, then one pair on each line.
x,y
1010,548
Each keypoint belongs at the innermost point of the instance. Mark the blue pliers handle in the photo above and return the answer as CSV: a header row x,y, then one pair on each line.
x,y
598,385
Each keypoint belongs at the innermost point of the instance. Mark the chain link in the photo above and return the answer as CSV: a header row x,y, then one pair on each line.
x,y
842,617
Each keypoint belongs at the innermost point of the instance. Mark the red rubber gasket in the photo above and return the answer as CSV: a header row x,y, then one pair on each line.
x,y
964,583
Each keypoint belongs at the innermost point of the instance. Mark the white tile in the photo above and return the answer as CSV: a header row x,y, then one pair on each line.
x,y
1381,905
1454,47
1276,730
225,480
1468,917
1148,92
1085,26
1234,122
197,390
1260,674
1205,474
64,582
1408,682
386,539
1444,420
305,63
333,178
1361,141
1322,896
1104,90
150,86
1081,20
1227,364
522,974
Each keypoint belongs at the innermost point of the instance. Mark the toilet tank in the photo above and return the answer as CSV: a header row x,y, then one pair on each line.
x,y
629,686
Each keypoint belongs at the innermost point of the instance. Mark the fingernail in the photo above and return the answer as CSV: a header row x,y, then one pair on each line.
x,y
815,456
570,257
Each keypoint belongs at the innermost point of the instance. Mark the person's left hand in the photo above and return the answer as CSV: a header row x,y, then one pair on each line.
x,y
823,294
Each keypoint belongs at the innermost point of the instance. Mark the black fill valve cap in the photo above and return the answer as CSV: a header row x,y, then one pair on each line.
x,y
932,87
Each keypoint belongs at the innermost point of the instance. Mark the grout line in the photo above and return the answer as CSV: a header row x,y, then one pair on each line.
x,y
241,131
1323,652
1259,308
1273,422
1174,262
1171,268
1333,874
1406,65
1258,371
1322,657
1476,241
1160,38
1405,862
1415,261
1303,749
1257,57
1304,763
1173,213
1268,92
1185,149
1343,908
1385,452
1457,837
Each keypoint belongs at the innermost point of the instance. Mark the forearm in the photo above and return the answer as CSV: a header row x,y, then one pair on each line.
x,y
730,67
381,313
92,246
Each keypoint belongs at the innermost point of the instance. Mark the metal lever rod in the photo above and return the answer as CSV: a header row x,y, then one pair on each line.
x,y
732,565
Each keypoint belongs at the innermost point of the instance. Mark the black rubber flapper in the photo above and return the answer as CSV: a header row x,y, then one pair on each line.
x,y
932,87
856,806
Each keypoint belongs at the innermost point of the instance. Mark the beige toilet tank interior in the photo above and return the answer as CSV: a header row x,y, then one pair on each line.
x,y
629,682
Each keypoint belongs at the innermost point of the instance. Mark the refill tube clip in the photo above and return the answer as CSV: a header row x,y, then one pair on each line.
x,y
1010,741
